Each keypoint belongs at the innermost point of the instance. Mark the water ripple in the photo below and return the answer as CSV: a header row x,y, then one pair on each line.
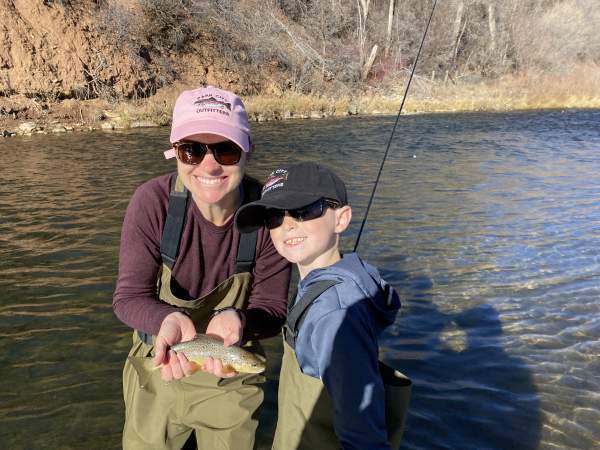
x,y
487,224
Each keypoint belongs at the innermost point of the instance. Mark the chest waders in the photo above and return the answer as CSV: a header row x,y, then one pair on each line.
x,y
222,411
309,425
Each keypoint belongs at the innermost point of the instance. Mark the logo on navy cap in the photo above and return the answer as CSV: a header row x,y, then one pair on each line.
x,y
276,180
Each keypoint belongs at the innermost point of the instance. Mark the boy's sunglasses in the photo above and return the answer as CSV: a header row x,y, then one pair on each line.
x,y
274,217
226,153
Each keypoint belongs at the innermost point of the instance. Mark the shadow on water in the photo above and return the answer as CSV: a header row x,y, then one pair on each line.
x,y
468,393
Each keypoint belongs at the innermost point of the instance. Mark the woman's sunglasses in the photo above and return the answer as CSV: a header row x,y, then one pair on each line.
x,y
226,153
274,217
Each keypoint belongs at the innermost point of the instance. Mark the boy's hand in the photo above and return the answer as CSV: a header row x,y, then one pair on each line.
x,y
175,328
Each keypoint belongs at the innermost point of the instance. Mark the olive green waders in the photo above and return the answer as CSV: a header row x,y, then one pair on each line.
x,y
305,409
161,415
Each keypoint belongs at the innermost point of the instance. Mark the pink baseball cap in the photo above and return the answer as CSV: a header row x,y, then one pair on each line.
x,y
208,111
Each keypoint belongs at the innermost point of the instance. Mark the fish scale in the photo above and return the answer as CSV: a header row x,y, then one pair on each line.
x,y
233,357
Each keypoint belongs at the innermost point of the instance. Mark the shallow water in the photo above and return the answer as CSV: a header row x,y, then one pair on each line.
x,y
487,224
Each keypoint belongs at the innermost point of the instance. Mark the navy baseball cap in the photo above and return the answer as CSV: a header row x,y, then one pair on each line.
x,y
291,187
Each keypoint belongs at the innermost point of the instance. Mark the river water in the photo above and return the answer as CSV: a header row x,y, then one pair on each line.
x,y
487,224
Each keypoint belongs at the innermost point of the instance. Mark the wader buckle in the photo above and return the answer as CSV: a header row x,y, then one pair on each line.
x,y
145,337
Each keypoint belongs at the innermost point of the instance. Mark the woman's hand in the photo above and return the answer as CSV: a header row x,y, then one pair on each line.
x,y
228,326
175,328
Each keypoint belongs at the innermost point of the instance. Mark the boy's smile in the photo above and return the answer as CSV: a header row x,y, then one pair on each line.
x,y
312,244
294,241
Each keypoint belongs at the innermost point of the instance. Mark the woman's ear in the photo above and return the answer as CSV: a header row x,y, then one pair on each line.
x,y
343,216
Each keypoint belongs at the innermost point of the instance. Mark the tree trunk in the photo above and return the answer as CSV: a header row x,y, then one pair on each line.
x,y
460,25
365,8
363,12
492,26
369,63
388,36
458,21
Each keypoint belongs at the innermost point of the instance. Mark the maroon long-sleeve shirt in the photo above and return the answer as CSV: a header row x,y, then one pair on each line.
x,y
206,257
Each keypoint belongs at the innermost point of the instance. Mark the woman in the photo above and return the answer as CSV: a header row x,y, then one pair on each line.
x,y
183,269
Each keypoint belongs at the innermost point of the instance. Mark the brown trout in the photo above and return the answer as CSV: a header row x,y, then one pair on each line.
x,y
233,358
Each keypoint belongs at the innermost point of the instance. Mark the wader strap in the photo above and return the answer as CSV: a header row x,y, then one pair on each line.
x,y
297,311
169,244
244,259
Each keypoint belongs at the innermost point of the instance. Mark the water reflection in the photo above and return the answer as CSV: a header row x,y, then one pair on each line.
x,y
491,233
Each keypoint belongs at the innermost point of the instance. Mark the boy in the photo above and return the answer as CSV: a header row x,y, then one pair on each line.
x,y
331,394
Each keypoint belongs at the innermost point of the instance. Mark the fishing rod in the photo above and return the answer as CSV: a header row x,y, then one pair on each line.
x,y
394,129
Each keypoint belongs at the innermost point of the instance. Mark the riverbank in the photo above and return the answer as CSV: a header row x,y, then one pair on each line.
x,y
579,89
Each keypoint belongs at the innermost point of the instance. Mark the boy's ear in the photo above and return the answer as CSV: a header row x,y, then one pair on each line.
x,y
343,216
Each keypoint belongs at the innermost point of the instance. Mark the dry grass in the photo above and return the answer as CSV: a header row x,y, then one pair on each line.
x,y
157,109
579,88
287,106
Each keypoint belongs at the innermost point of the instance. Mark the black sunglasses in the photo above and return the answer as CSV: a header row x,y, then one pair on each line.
x,y
274,217
226,153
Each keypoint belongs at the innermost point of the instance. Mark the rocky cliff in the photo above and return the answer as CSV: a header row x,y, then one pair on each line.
x,y
67,61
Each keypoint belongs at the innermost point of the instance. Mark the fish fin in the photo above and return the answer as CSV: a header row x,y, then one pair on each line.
x,y
198,362
229,369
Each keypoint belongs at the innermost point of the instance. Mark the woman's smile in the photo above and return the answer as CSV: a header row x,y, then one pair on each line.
x,y
210,181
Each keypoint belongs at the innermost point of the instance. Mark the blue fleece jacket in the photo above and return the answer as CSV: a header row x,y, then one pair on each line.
x,y
338,343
